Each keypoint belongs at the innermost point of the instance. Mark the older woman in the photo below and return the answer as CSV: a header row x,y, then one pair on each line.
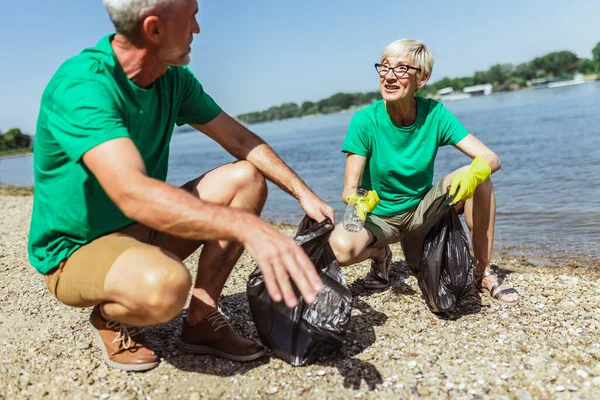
x,y
391,148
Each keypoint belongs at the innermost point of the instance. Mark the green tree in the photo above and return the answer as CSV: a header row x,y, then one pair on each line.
x,y
498,74
428,90
596,53
443,83
461,83
558,63
342,101
480,77
14,139
288,110
587,66
524,71
308,107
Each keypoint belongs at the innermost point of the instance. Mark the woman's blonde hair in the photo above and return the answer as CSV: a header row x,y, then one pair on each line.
x,y
416,51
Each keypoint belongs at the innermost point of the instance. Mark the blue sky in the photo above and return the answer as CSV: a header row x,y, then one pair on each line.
x,y
252,54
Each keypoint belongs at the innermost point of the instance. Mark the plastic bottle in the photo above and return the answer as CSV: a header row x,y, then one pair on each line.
x,y
352,221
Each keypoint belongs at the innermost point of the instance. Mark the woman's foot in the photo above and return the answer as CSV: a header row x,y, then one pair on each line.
x,y
492,285
378,276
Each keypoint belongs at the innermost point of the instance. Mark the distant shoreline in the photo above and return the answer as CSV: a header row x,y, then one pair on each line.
x,y
15,155
347,110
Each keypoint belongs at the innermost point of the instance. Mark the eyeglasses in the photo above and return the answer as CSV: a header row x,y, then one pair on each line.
x,y
398,71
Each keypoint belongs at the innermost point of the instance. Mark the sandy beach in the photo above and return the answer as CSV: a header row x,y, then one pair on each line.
x,y
546,347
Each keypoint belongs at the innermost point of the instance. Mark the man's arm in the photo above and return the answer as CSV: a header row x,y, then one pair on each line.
x,y
245,145
119,168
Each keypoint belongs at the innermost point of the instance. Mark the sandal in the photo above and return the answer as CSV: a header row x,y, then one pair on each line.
x,y
378,276
496,296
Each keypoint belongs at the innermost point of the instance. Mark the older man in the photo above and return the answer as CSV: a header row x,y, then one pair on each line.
x,y
108,232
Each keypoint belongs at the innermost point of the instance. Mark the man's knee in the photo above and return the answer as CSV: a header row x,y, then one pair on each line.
x,y
239,181
163,292
244,173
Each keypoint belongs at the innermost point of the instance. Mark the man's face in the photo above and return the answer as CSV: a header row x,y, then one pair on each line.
x,y
180,26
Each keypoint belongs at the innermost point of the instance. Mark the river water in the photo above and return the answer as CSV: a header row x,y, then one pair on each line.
x,y
548,190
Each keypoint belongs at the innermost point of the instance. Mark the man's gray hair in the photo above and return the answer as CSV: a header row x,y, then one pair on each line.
x,y
126,15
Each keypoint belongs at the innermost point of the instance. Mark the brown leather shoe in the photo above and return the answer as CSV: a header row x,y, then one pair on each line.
x,y
214,335
122,347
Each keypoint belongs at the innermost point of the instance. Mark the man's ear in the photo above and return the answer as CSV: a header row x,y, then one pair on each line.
x,y
152,28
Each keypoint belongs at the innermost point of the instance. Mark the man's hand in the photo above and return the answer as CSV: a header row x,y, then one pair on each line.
x,y
280,258
316,208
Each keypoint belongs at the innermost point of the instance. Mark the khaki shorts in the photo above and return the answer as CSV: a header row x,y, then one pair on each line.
x,y
78,281
388,230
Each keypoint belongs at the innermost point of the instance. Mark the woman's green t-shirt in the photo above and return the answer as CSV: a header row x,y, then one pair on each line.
x,y
400,159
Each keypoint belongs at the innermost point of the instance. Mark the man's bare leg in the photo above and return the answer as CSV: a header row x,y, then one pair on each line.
x,y
238,185
145,286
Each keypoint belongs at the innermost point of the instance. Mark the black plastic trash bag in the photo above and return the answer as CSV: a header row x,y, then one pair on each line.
x,y
298,334
438,255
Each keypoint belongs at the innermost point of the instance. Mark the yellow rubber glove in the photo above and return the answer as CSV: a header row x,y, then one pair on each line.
x,y
466,182
352,198
364,204
372,200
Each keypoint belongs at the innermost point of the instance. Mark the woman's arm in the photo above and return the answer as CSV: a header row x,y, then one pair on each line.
x,y
472,147
355,166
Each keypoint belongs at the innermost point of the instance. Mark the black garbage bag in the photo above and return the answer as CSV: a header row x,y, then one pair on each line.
x,y
438,255
298,334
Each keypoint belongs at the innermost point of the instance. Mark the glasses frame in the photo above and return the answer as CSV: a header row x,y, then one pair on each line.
x,y
393,69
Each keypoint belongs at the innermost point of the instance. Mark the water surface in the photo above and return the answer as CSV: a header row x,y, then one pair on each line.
x,y
548,190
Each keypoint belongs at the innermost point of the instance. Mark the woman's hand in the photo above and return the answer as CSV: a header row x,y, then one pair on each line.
x,y
464,183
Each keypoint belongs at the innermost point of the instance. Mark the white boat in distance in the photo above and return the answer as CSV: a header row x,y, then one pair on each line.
x,y
448,93
455,96
557,82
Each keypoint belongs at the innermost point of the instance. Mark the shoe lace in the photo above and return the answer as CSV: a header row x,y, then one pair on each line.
x,y
217,320
124,334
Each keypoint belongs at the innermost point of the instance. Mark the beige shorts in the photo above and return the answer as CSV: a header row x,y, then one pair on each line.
x,y
78,281
388,230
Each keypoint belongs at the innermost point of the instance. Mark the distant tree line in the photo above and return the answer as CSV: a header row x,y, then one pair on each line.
x,y
337,102
552,65
14,141
501,76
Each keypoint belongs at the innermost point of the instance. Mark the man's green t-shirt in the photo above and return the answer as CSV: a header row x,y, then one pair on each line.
x,y
87,102
400,159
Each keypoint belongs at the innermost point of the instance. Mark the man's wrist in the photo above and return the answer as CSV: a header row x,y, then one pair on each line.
x,y
302,192
243,231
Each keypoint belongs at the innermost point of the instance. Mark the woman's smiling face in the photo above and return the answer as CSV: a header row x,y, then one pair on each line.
x,y
393,87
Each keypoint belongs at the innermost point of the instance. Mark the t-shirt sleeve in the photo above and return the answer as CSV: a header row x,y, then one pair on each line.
x,y
357,140
452,131
197,107
83,115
